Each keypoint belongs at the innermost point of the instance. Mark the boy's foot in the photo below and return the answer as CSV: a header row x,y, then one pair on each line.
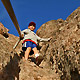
x,y
24,59
39,60
18,53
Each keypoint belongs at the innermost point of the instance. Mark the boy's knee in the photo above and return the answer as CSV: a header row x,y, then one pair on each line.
x,y
34,49
29,48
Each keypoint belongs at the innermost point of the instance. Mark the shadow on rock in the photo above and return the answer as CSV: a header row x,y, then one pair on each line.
x,y
11,70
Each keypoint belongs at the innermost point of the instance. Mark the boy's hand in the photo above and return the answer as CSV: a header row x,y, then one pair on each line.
x,y
49,38
22,36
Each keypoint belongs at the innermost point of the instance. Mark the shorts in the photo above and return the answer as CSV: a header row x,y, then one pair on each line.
x,y
28,44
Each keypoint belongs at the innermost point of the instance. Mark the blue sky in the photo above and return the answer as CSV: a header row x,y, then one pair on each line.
x,y
39,11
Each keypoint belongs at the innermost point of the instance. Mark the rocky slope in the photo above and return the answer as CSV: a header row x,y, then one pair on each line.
x,y
61,53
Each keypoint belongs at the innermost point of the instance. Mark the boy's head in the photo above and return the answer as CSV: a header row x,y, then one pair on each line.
x,y
32,26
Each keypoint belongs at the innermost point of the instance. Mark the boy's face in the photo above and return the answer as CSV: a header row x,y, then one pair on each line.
x,y
31,27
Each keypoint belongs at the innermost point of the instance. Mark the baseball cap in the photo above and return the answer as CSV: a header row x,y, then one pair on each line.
x,y
32,23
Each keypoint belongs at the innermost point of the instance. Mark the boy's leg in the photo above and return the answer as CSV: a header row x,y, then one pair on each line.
x,y
35,51
26,55
38,57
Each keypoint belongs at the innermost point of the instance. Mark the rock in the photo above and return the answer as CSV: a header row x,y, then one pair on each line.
x,y
61,54
4,30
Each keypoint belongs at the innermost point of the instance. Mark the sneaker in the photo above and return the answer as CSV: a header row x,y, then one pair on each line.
x,y
39,60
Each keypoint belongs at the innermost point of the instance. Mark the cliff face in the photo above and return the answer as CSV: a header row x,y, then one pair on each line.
x,y
61,53
8,57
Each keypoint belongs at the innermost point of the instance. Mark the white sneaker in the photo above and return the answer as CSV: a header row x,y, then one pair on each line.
x,y
39,59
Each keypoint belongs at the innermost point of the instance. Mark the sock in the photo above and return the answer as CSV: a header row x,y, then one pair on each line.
x,y
36,55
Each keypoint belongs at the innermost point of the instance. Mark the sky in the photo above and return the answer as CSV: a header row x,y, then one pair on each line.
x,y
38,11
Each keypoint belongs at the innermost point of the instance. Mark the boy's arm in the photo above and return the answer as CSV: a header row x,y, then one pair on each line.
x,y
25,31
42,39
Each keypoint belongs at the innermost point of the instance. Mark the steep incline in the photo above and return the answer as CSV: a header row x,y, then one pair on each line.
x,y
61,54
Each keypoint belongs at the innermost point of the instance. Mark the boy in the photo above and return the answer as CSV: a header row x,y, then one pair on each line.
x,y
30,42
